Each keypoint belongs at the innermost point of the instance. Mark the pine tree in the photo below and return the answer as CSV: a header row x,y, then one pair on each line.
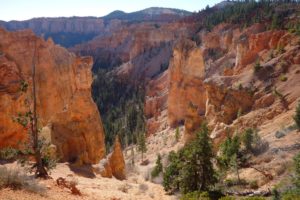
x,y
142,145
158,167
197,173
247,139
297,116
229,154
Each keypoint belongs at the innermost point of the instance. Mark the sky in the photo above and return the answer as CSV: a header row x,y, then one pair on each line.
x,y
27,9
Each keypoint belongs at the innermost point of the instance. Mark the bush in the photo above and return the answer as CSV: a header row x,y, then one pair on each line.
x,y
283,78
8,153
253,142
254,198
290,196
177,134
234,182
16,180
297,171
196,196
227,198
253,184
280,49
257,67
297,116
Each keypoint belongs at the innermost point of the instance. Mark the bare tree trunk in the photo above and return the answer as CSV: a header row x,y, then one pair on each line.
x,y
40,169
238,173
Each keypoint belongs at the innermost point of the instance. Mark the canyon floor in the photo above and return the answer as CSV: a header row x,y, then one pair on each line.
x,y
137,185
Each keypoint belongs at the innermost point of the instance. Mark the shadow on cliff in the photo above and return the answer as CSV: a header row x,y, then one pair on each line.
x,y
84,171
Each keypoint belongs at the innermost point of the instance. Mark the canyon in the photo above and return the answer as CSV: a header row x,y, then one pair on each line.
x,y
229,76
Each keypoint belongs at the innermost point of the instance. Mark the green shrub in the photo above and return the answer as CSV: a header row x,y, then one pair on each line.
x,y
297,171
9,153
17,180
280,49
196,196
283,78
290,196
253,184
257,67
240,86
254,198
253,142
208,195
227,198
177,134
297,116
158,168
234,182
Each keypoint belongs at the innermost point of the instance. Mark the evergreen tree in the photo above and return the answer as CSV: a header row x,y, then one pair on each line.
x,y
171,177
197,173
297,116
229,154
191,168
158,167
247,139
177,134
142,145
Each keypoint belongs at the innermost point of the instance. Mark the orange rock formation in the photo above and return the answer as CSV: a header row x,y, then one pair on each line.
x,y
64,100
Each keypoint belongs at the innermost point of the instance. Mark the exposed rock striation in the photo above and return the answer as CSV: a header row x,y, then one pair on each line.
x,y
64,100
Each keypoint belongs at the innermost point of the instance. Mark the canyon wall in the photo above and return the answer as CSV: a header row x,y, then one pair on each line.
x,y
64,102
216,80
58,25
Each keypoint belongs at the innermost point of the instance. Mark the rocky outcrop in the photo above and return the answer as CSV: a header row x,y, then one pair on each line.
x,y
224,102
64,100
113,164
117,162
186,89
156,102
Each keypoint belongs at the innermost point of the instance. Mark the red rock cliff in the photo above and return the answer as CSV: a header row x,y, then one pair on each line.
x,y
64,100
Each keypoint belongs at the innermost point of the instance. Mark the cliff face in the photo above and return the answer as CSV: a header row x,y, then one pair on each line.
x,y
64,100
138,50
58,25
155,107
216,80
187,96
